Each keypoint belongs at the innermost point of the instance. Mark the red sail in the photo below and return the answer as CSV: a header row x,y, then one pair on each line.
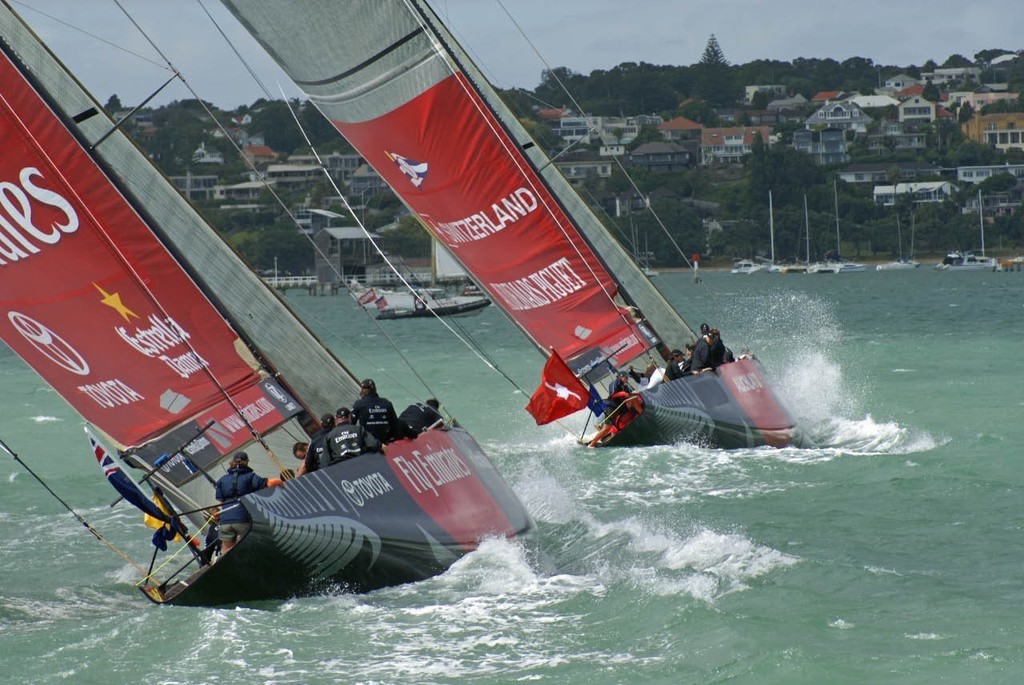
x,y
452,163
90,298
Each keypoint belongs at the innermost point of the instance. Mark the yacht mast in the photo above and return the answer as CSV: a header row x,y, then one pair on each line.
x,y
807,230
981,222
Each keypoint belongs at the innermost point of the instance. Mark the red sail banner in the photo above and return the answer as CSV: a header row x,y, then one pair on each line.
x,y
451,162
88,296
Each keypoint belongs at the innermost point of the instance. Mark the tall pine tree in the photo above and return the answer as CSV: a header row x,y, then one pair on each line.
x,y
715,81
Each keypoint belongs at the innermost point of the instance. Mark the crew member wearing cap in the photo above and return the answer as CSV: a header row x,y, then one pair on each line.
x,y
701,359
718,353
620,384
377,415
674,368
317,451
347,440
233,521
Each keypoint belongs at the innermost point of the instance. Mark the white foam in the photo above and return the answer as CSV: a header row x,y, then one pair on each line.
x,y
45,419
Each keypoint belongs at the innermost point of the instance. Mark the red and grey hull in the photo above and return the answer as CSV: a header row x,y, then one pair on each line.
x,y
366,523
730,408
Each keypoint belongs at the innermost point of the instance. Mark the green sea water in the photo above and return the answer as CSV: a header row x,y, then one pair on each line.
x,y
891,552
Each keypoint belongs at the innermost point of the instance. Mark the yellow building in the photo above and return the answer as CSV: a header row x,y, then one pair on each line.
x,y
1004,131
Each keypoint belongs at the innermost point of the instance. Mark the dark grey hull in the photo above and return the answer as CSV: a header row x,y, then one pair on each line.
x,y
366,523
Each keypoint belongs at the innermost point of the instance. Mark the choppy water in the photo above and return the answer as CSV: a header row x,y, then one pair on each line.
x,y
892,553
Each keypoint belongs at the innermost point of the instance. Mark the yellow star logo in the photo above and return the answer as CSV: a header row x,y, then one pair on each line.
x,y
114,302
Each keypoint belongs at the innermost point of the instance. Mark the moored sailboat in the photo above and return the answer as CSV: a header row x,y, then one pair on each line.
x,y
393,80
834,263
129,305
901,262
965,260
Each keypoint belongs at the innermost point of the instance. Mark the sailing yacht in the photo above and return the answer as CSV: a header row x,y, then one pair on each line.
x,y
798,267
772,267
644,262
901,262
966,260
131,307
834,263
395,82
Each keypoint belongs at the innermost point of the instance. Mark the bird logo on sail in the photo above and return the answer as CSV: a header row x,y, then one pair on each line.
x,y
415,171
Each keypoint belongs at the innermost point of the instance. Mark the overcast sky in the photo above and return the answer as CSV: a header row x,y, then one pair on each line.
x,y
580,34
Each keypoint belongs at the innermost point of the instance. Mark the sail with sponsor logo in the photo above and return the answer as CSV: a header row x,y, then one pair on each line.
x,y
129,305
392,79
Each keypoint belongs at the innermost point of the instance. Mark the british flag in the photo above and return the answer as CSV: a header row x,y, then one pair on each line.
x,y
120,482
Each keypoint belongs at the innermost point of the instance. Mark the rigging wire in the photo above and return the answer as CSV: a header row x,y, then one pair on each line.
x,y
90,34
386,258
95,533
462,335
618,162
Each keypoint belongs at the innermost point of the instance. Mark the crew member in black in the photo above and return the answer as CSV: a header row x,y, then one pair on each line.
x,y
674,368
420,416
718,353
347,440
701,360
377,415
687,365
317,446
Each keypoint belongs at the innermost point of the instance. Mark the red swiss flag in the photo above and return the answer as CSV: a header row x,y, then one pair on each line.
x,y
560,393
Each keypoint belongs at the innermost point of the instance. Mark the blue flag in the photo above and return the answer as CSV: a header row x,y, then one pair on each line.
x,y
122,483
594,401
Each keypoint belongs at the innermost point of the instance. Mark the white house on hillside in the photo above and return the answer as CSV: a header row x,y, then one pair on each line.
x,y
844,115
899,82
976,174
924,191
952,75
917,110
874,101
204,156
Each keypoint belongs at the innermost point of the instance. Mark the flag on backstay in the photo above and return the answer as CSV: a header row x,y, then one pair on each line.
x,y
560,393
120,482
367,297
381,302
